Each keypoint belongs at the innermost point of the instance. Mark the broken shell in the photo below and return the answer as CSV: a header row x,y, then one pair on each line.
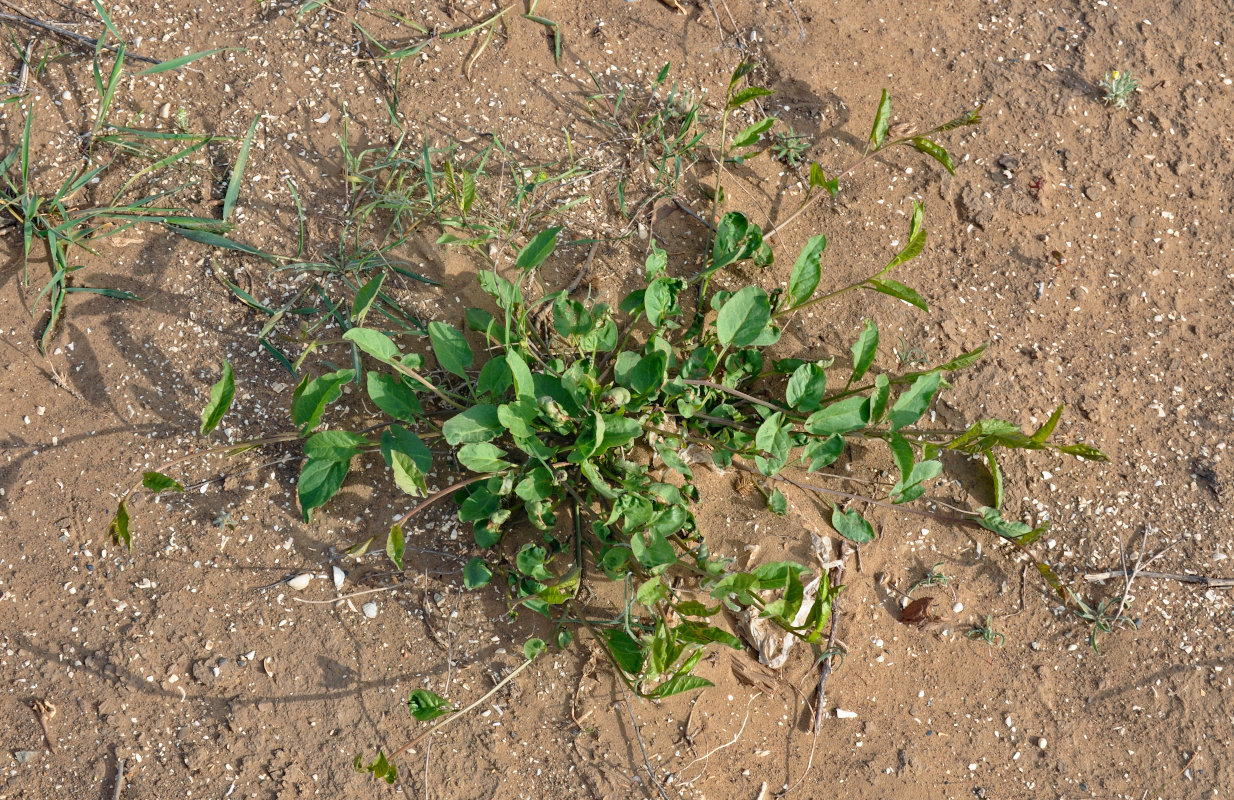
x,y
165,111
267,664
845,714
250,655
369,609
300,581
339,576
323,119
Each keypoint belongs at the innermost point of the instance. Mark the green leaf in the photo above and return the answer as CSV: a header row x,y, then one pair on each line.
x,y
396,545
807,271
777,503
394,397
381,768
532,648
494,378
538,249
221,395
1018,532
571,318
482,457
882,121
742,319
476,574
334,445
648,374
911,486
311,397
864,350
375,343
476,424
524,383
158,482
913,403
678,684
451,349
426,706
320,479
996,475
935,151
820,180
365,297
851,525
407,474
397,439
842,416
878,400
237,172
897,290
176,63
626,652
749,136
119,527
1042,434
916,241
746,95
653,551
822,452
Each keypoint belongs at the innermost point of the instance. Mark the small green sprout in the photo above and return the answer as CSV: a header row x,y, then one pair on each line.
x,y
986,633
789,148
936,577
1118,87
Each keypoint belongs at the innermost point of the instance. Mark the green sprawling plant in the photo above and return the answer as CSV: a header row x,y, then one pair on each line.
x,y
576,443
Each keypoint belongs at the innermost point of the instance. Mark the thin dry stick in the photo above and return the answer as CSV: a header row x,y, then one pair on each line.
x,y
823,673
453,717
22,18
1201,580
715,750
343,597
651,773
115,792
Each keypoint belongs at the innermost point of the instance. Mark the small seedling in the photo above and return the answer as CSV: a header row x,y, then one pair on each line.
x,y
1105,618
936,577
789,148
1118,87
986,633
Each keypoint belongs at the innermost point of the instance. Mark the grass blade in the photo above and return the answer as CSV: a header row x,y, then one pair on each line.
x,y
176,63
237,172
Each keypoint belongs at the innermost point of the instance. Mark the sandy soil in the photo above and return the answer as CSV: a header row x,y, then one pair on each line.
x,y
1089,245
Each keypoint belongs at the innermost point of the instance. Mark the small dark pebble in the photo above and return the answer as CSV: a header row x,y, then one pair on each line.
x,y
1008,162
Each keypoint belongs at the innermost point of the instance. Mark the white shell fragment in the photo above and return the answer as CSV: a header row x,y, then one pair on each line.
x,y
323,119
771,642
369,609
958,607
301,581
267,664
842,713
339,577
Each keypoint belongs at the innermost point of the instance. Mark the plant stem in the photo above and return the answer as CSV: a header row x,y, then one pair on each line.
x,y
433,498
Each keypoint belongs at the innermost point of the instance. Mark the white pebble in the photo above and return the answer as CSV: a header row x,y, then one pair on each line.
x,y
300,581
958,607
1041,742
369,609
845,714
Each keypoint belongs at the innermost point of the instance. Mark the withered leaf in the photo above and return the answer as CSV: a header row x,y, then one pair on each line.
x,y
918,612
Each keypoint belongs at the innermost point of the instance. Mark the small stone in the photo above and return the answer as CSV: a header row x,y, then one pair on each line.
x,y
958,607
1035,645
1092,192
1008,162
1041,742
1137,221
165,111
300,581
24,756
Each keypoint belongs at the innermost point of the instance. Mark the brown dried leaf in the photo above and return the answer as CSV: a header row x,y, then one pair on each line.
x,y
918,612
